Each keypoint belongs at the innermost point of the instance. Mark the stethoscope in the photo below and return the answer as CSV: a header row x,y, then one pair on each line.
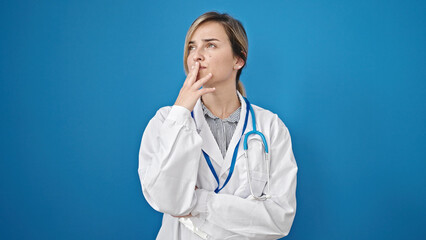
x,y
245,146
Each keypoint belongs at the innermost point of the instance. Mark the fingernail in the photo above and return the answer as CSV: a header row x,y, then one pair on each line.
x,y
192,67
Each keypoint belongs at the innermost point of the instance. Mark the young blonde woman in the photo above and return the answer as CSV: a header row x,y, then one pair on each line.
x,y
217,166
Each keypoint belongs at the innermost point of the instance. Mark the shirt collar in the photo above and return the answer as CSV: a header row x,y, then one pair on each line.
x,y
234,117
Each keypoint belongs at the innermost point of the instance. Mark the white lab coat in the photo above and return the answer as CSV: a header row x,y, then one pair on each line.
x,y
171,164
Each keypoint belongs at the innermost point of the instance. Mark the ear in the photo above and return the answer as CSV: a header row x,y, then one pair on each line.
x,y
239,63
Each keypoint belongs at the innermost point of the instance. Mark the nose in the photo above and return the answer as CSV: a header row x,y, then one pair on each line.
x,y
198,55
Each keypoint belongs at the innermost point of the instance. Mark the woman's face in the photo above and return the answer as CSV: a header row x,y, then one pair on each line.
x,y
210,46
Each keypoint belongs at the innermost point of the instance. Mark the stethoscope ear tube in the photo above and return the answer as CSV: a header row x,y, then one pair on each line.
x,y
249,109
266,159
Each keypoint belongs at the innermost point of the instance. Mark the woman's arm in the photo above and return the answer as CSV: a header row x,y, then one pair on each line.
x,y
170,151
222,215
168,161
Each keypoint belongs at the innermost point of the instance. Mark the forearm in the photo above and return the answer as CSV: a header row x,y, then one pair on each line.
x,y
170,167
221,215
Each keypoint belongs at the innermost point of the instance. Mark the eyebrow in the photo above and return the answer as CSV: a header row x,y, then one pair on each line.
x,y
205,40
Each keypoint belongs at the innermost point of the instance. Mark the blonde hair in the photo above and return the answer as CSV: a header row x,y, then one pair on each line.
x,y
235,32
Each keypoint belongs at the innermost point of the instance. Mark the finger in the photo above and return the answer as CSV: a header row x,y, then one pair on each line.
x,y
186,216
205,91
189,76
202,81
194,73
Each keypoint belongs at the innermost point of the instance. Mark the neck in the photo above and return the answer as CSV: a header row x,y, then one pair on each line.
x,y
223,101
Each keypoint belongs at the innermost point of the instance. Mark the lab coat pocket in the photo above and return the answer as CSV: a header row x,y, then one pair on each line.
x,y
258,182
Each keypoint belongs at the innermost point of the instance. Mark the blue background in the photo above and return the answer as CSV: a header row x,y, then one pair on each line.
x,y
81,79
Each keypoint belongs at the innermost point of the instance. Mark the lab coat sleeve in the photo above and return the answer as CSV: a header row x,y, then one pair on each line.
x,y
168,161
225,216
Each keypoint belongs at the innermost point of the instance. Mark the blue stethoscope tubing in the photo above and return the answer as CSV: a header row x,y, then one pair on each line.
x,y
234,155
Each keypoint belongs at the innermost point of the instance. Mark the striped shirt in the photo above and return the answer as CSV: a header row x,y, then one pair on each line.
x,y
222,129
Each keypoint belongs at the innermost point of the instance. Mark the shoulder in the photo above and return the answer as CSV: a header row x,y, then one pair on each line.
x,y
162,113
269,121
266,115
157,121
175,113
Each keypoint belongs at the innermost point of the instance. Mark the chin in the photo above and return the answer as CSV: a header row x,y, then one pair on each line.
x,y
203,74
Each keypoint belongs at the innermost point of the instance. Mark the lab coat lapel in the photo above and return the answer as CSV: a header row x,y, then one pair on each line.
x,y
209,144
236,138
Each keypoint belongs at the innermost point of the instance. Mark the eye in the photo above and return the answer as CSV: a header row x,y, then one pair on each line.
x,y
191,47
210,45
